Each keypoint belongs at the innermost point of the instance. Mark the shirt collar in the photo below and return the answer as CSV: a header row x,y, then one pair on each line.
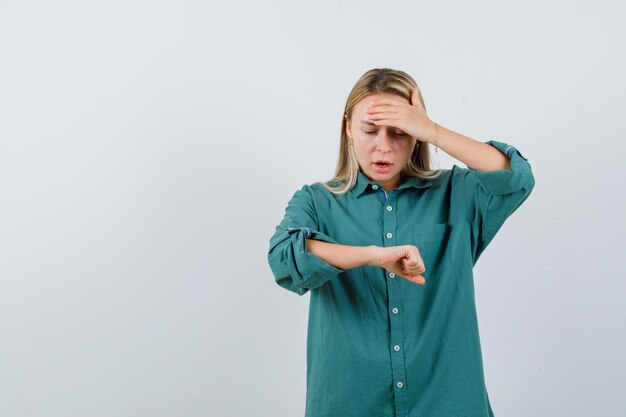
x,y
363,183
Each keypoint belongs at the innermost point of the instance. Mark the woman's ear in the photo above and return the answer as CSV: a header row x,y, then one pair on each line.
x,y
348,127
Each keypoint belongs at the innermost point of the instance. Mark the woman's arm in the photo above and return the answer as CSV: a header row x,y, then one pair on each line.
x,y
412,118
342,256
474,154
404,260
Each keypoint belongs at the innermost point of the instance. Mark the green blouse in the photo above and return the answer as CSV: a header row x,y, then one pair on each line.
x,y
380,345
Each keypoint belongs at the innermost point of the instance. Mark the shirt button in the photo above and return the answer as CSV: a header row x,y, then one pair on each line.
x,y
389,208
400,384
396,348
389,235
375,187
392,275
394,310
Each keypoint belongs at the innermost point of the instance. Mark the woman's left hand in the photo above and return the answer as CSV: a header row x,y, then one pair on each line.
x,y
410,118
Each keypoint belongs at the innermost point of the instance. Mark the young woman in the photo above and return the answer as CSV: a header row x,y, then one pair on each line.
x,y
386,249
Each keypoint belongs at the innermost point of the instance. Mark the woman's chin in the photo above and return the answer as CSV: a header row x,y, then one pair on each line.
x,y
387,174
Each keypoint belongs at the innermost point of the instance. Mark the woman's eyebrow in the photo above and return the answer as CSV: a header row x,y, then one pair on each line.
x,y
369,122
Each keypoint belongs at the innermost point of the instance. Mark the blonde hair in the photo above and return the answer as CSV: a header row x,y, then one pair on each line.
x,y
378,80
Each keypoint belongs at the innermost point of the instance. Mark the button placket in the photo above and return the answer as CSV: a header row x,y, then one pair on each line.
x,y
395,300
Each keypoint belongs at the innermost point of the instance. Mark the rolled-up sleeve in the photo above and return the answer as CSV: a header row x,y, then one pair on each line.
x,y
293,267
490,197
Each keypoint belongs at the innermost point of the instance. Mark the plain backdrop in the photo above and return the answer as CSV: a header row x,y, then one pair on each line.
x,y
148,150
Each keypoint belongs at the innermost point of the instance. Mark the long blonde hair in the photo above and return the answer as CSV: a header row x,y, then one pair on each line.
x,y
378,80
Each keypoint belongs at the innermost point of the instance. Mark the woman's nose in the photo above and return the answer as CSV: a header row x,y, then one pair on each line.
x,y
384,140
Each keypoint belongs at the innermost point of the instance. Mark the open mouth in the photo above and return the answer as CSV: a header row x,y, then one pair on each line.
x,y
382,164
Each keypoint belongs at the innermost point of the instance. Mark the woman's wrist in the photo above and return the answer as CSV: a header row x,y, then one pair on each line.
x,y
371,255
432,134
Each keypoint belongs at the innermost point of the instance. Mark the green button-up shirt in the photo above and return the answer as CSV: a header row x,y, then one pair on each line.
x,y
378,344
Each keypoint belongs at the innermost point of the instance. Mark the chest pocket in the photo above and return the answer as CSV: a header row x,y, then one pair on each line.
x,y
432,241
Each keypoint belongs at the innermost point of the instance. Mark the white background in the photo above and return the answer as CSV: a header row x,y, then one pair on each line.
x,y
148,150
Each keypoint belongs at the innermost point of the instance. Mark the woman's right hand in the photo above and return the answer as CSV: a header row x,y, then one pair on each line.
x,y
404,261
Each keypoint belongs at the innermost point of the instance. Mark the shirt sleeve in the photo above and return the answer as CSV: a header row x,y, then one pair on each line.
x,y
490,197
293,267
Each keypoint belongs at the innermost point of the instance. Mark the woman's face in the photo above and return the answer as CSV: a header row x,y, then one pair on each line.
x,y
374,143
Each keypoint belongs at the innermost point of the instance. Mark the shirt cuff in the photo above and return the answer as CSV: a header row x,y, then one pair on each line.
x,y
307,231
505,148
506,181
509,150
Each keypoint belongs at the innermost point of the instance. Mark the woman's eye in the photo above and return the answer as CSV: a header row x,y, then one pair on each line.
x,y
395,133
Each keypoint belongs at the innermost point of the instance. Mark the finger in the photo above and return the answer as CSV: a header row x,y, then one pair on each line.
x,y
417,102
412,261
417,257
413,257
381,108
378,117
418,279
414,271
415,97
386,122
410,264
416,268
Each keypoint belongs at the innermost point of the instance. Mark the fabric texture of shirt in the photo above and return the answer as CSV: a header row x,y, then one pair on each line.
x,y
377,344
